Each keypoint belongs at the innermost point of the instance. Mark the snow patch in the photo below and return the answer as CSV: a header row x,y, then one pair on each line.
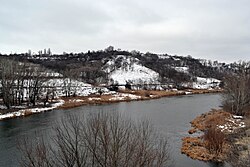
x,y
32,110
3,107
182,69
76,100
163,57
60,86
94,98
232,124
124,96
188,93
206,83
237,117
129,70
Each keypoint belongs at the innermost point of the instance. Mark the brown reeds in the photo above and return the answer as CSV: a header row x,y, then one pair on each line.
x,y
214,140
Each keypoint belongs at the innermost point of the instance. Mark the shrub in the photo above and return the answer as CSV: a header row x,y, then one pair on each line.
x,y
215,139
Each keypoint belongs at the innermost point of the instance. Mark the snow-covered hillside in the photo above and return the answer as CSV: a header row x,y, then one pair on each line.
x,y
73,86
123,69
206,83
62,87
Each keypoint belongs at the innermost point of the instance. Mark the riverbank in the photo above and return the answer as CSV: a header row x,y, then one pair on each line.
x,y
106,98
33,110
127,96
216,146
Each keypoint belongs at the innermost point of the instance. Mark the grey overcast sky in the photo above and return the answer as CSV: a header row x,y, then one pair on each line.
x,y
210,29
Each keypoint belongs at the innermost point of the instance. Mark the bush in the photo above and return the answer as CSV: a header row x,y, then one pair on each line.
x,y
214,139
103,139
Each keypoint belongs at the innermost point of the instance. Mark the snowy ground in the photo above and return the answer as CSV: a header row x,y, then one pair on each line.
x,y
24,112
206,83
125,69
73,86
182,69
163,57
233,123
130,71
124,96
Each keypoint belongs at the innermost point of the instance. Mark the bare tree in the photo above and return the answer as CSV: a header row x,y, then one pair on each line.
x,y
21,82
36,77
99,140
237,88
8,76
19,78
67,82
35,153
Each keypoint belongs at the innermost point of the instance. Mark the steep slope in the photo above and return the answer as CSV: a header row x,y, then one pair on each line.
x,y
126,69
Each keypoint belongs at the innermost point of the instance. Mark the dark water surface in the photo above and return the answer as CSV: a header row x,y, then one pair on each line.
x,y
170,115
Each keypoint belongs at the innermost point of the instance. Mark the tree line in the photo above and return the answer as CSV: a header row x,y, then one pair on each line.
x,y
24,83
89,65
236,98
20,82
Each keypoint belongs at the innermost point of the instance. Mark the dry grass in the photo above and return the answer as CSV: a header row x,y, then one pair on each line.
x,y
203,91
194,148
136,92
212,146
152,93
70,102
27,112
212,118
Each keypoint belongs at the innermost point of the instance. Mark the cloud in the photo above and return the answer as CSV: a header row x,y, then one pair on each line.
x,y
211,29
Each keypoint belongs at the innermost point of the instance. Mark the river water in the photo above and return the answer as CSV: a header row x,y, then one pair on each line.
x,y
170,115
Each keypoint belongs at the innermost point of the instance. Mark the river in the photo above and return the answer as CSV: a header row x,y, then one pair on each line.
x,y
170,115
